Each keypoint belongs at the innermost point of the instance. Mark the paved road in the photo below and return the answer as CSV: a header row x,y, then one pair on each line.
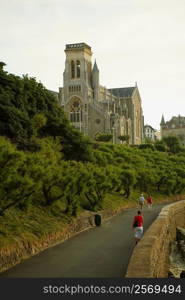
x,y
98,252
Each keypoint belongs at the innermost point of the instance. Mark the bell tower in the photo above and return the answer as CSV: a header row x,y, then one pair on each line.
x,y
77,84
78,66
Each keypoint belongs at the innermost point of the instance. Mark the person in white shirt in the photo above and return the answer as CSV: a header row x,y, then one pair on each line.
x,y
141,201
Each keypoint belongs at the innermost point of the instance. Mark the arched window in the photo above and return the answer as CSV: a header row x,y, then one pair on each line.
x,y
78,68
72,69
76,110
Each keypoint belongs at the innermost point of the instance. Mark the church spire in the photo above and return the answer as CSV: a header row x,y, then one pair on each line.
x,y
162,120
95,67
95,81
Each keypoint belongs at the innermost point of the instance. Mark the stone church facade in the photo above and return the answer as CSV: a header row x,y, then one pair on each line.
x,y
94,109
174,127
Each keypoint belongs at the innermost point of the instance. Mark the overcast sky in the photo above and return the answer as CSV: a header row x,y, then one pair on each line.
x,y
139,41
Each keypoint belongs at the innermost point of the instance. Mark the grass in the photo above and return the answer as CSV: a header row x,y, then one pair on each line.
x,y
115,200
36,222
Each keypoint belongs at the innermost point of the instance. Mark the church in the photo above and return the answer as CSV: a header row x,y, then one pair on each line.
x,y
174,127
94,109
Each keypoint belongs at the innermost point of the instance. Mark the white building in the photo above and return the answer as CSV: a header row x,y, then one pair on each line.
x,y
150,132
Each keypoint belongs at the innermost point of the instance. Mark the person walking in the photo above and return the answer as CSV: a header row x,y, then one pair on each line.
x,y
137,225
141,201
149,201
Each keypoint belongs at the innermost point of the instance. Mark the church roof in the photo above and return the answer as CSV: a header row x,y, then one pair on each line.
x,y
146,126
123,92
176,120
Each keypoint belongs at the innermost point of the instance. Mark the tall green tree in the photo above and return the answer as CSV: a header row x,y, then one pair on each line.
x,y
172,143
28,109
16,186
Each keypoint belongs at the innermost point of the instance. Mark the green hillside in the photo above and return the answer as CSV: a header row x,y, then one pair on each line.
x,y
50,173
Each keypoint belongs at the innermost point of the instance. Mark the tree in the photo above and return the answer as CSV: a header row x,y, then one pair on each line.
x,y
148,140
160,146
103,137
146,179
172,143
128,179
28,109
38,121
99,183
46,165
124,138
16,186
2,64
147,146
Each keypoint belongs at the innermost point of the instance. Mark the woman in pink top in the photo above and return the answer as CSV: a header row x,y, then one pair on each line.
x,y
138,226
149,201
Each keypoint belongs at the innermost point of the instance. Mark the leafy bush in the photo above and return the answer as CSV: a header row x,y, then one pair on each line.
x,y
104,137
147,146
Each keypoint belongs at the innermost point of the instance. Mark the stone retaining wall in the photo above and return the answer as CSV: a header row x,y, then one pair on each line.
x,y
24,248
150,258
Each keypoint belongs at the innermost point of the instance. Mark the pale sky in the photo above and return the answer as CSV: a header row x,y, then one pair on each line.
x,y
139,41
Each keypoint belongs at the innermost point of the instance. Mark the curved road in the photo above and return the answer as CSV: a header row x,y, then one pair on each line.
x,y
98,252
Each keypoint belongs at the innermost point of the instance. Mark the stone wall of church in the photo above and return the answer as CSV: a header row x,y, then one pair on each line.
x,y
97,122
137,132
178,132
